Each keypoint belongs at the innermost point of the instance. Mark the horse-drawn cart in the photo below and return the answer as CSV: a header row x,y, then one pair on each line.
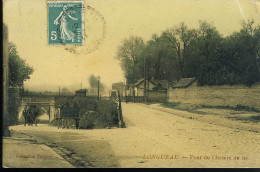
x,y
30,114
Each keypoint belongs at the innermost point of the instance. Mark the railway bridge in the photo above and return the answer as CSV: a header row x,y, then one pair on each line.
x,y
47,101
43,101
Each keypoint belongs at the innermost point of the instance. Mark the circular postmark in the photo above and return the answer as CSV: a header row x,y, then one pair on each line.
x,y
83,35
94,32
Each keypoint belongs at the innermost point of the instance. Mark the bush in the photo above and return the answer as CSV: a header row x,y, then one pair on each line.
x,y
94,114
86,104
53,123
246,108
87,121
106,115
70,123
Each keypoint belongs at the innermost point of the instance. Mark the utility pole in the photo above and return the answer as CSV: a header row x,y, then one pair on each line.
x,y
144,80
98,86
5,128
125,91
59,90
148,68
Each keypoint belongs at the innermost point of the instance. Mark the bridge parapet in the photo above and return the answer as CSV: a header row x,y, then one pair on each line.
x,y
38,101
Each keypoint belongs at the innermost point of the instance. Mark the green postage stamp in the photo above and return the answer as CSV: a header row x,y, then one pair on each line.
x,y
65,22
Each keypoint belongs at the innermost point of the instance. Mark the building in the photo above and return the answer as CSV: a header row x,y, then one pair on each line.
x,y
137,89
185,82
81,92
120,86
161,84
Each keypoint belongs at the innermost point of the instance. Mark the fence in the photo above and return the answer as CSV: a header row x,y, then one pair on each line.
x,y
133,99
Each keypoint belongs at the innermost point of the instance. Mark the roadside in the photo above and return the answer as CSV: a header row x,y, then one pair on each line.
x,y
79,151
235,119
153,138
21,151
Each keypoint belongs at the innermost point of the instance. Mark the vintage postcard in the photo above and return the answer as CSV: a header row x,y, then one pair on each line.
x,y
131,83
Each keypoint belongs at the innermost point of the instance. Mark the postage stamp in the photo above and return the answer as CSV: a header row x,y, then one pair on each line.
x,y
94,32
65,22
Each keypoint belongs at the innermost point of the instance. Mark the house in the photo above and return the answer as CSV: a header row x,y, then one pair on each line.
x,y
137,89
185,82
81,92
161,84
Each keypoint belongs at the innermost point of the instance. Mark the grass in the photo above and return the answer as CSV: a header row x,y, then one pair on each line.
x,y
193,108
182,106
255,118
171,104
236,108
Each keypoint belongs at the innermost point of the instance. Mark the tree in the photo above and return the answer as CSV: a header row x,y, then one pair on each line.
x,y
231,60
19,69
93,82
160,60
129,54
65,90
203,53
206,53
241,55
181,38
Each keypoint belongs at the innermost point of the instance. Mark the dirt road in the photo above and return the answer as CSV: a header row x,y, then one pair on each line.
x,y
156,139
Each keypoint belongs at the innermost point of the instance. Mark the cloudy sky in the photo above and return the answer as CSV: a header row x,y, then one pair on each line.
x,y
55,66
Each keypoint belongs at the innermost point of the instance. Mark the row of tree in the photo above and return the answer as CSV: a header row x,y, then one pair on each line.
x,y
204,53
19,71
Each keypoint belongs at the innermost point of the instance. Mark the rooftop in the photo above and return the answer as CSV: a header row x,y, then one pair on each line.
x,y
142,80
81,91
184,83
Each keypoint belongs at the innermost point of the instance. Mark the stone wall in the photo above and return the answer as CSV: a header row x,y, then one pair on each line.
x,y
217,95
156,96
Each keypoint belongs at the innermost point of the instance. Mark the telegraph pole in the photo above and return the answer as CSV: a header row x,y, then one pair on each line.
x,y
125,91
5,128
148,68
144,80
98,86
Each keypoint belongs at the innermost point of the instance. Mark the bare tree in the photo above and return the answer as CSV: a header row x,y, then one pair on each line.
x,y
181,38
128,54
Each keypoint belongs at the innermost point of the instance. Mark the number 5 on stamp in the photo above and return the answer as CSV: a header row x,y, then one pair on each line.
x,y
65,22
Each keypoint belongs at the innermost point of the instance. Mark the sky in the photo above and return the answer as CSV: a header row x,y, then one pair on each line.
x,y
108,22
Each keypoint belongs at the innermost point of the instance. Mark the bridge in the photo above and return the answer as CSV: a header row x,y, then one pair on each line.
x,y
43,101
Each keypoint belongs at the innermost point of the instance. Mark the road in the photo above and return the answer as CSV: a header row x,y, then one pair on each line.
x,y
155,139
